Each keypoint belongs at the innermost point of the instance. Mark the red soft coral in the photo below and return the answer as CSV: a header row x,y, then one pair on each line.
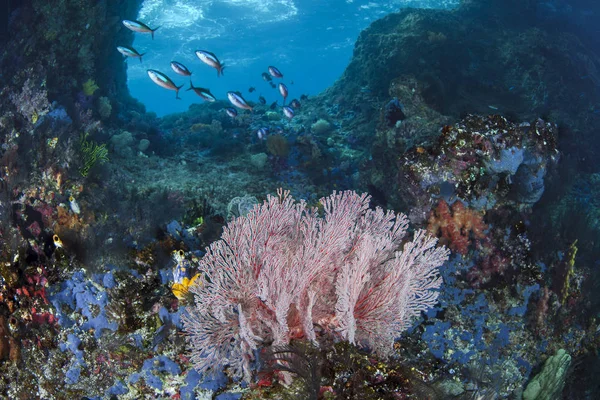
x,y
456,227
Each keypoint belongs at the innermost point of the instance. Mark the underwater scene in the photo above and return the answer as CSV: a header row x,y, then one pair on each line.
x,y
300,199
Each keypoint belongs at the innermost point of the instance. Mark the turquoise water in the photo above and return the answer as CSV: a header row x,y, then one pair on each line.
x,y
310,41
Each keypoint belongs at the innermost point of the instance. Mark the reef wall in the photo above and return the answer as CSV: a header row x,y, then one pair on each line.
x,y
476,60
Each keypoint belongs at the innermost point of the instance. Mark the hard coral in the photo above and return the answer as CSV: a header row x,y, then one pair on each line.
x,y
457,226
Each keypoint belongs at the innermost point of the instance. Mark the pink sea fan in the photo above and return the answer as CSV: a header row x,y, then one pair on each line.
x,y
282,270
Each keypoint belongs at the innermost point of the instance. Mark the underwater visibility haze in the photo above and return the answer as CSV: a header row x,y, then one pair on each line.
x,y
300,199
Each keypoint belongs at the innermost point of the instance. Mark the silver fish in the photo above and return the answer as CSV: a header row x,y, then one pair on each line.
x,y
138,26
275,73
164,81
237,100
204,93
284,91
232,112
180,69
130,52
288,111
262,133
210,59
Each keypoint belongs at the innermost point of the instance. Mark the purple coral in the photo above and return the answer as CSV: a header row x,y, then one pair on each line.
x,y
282,269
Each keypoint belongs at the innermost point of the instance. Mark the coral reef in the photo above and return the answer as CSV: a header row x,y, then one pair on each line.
x,y
92,300
457,226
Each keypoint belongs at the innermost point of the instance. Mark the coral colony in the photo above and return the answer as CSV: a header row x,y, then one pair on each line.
x,y
427,227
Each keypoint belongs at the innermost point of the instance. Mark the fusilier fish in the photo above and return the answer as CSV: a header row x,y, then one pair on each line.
x,y
275,73
210,59
232,112
130,52
237,100
266,77
164,81
284,91
180,69
295,103
202,92
138,26
288,111
262,133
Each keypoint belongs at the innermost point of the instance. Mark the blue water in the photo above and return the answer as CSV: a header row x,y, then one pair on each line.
x,y
310,41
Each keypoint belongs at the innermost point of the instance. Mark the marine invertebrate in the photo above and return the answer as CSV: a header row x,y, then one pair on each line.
x,y
91,153
549,383
320,127
457,226
282,270
278,145
89,87
104,107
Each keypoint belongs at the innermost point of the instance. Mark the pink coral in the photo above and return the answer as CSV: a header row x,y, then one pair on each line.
x,y
282,270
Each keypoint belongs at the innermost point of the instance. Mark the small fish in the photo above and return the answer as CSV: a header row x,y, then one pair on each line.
x,y
262,133
74,206
210,59
272,85
493,107
232,112
205,94
180,69
164,81
251,89
284,91
304,97
237,100
275,73
138,26
130,52
262,100
295,103
288,111
266,77
273,105
57,242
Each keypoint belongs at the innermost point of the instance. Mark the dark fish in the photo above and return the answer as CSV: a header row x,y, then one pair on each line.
x,y
266,77
284,91
205,94
164,81
275,73
288,111
237,100
180,69
138,26
210,59
130,52
295,103
232,112
262,133
304,97
272,85
262,100
251,89
273,105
